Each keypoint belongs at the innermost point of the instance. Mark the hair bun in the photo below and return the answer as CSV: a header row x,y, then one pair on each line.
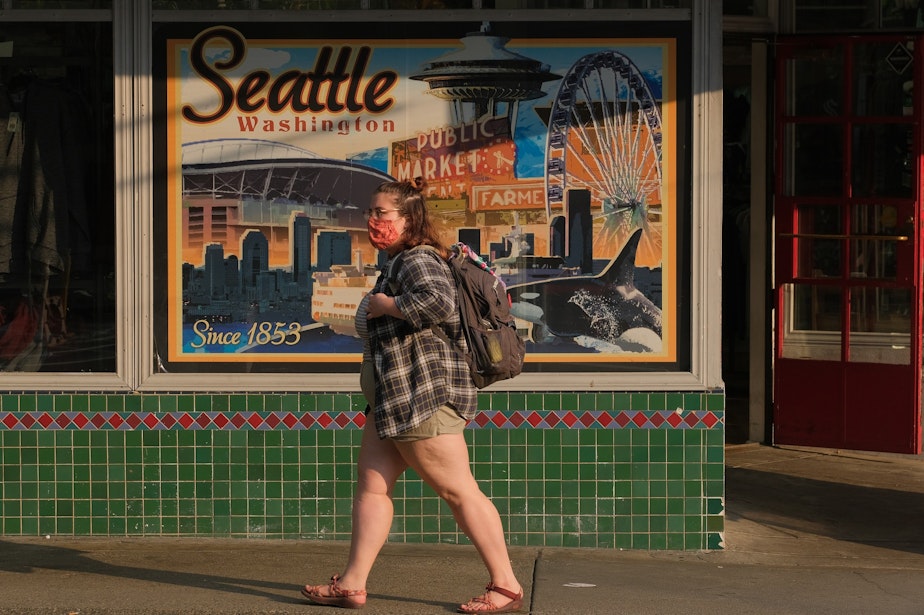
x,y
418,183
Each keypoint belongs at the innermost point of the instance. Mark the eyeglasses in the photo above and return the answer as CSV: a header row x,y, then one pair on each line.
x,y
377,213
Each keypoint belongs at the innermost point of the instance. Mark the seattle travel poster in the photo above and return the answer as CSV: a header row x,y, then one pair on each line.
x,y
550,158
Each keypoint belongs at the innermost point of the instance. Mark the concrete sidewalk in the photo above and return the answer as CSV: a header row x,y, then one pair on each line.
x,y
808,531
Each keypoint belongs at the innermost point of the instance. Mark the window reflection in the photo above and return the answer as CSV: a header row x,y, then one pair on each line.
x,y
61,4
749,8
880,325
883,78
881,163
818,256
814,164
874,253
57,258
754,8
812,322
815,78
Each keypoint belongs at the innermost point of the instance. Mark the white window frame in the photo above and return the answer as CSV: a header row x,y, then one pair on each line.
x,y
137,368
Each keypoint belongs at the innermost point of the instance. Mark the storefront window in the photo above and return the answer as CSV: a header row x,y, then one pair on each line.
x,y
59,4
823,15
57,281
901,14
192,5
426,4
748,8
566,184
642,4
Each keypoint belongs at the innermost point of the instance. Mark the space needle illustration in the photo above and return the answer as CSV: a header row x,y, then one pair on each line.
x,y
485,75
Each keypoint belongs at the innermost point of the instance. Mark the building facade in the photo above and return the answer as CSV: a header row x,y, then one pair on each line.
x,y
174,364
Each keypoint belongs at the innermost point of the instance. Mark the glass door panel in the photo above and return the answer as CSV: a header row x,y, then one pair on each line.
x,y
882,79
812,322
874,243
881,161
881,242
880,325
814,160
819,241
815,80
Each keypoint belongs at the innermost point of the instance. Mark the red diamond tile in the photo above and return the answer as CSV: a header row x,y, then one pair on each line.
x,y
622,419
344,420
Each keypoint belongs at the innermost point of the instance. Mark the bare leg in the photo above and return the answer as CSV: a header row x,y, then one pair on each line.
x,y
378,469
443,463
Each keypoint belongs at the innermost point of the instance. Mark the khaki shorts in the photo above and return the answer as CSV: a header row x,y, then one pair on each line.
x,y
445,420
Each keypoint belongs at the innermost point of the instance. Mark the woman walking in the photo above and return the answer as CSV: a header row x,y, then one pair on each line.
x,y
420,397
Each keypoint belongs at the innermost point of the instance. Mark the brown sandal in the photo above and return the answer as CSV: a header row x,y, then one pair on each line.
x,y
335,596
514,606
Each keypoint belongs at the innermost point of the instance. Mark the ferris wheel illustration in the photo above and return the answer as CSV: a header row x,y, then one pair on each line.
x,y
605,137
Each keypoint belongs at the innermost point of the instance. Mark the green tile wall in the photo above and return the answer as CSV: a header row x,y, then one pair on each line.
x,y
238,465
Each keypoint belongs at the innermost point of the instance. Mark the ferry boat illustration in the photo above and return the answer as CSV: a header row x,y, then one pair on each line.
x,y
337,294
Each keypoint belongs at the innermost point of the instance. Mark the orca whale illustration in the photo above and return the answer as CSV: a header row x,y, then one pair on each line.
x,y
602,306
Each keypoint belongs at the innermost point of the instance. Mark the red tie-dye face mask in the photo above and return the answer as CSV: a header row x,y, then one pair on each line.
x,y
382,233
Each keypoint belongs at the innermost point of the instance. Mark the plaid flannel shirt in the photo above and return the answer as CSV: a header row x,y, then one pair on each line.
x,y
417,372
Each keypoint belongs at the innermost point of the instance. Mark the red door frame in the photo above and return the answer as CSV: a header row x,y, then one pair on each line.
x,y
839,403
